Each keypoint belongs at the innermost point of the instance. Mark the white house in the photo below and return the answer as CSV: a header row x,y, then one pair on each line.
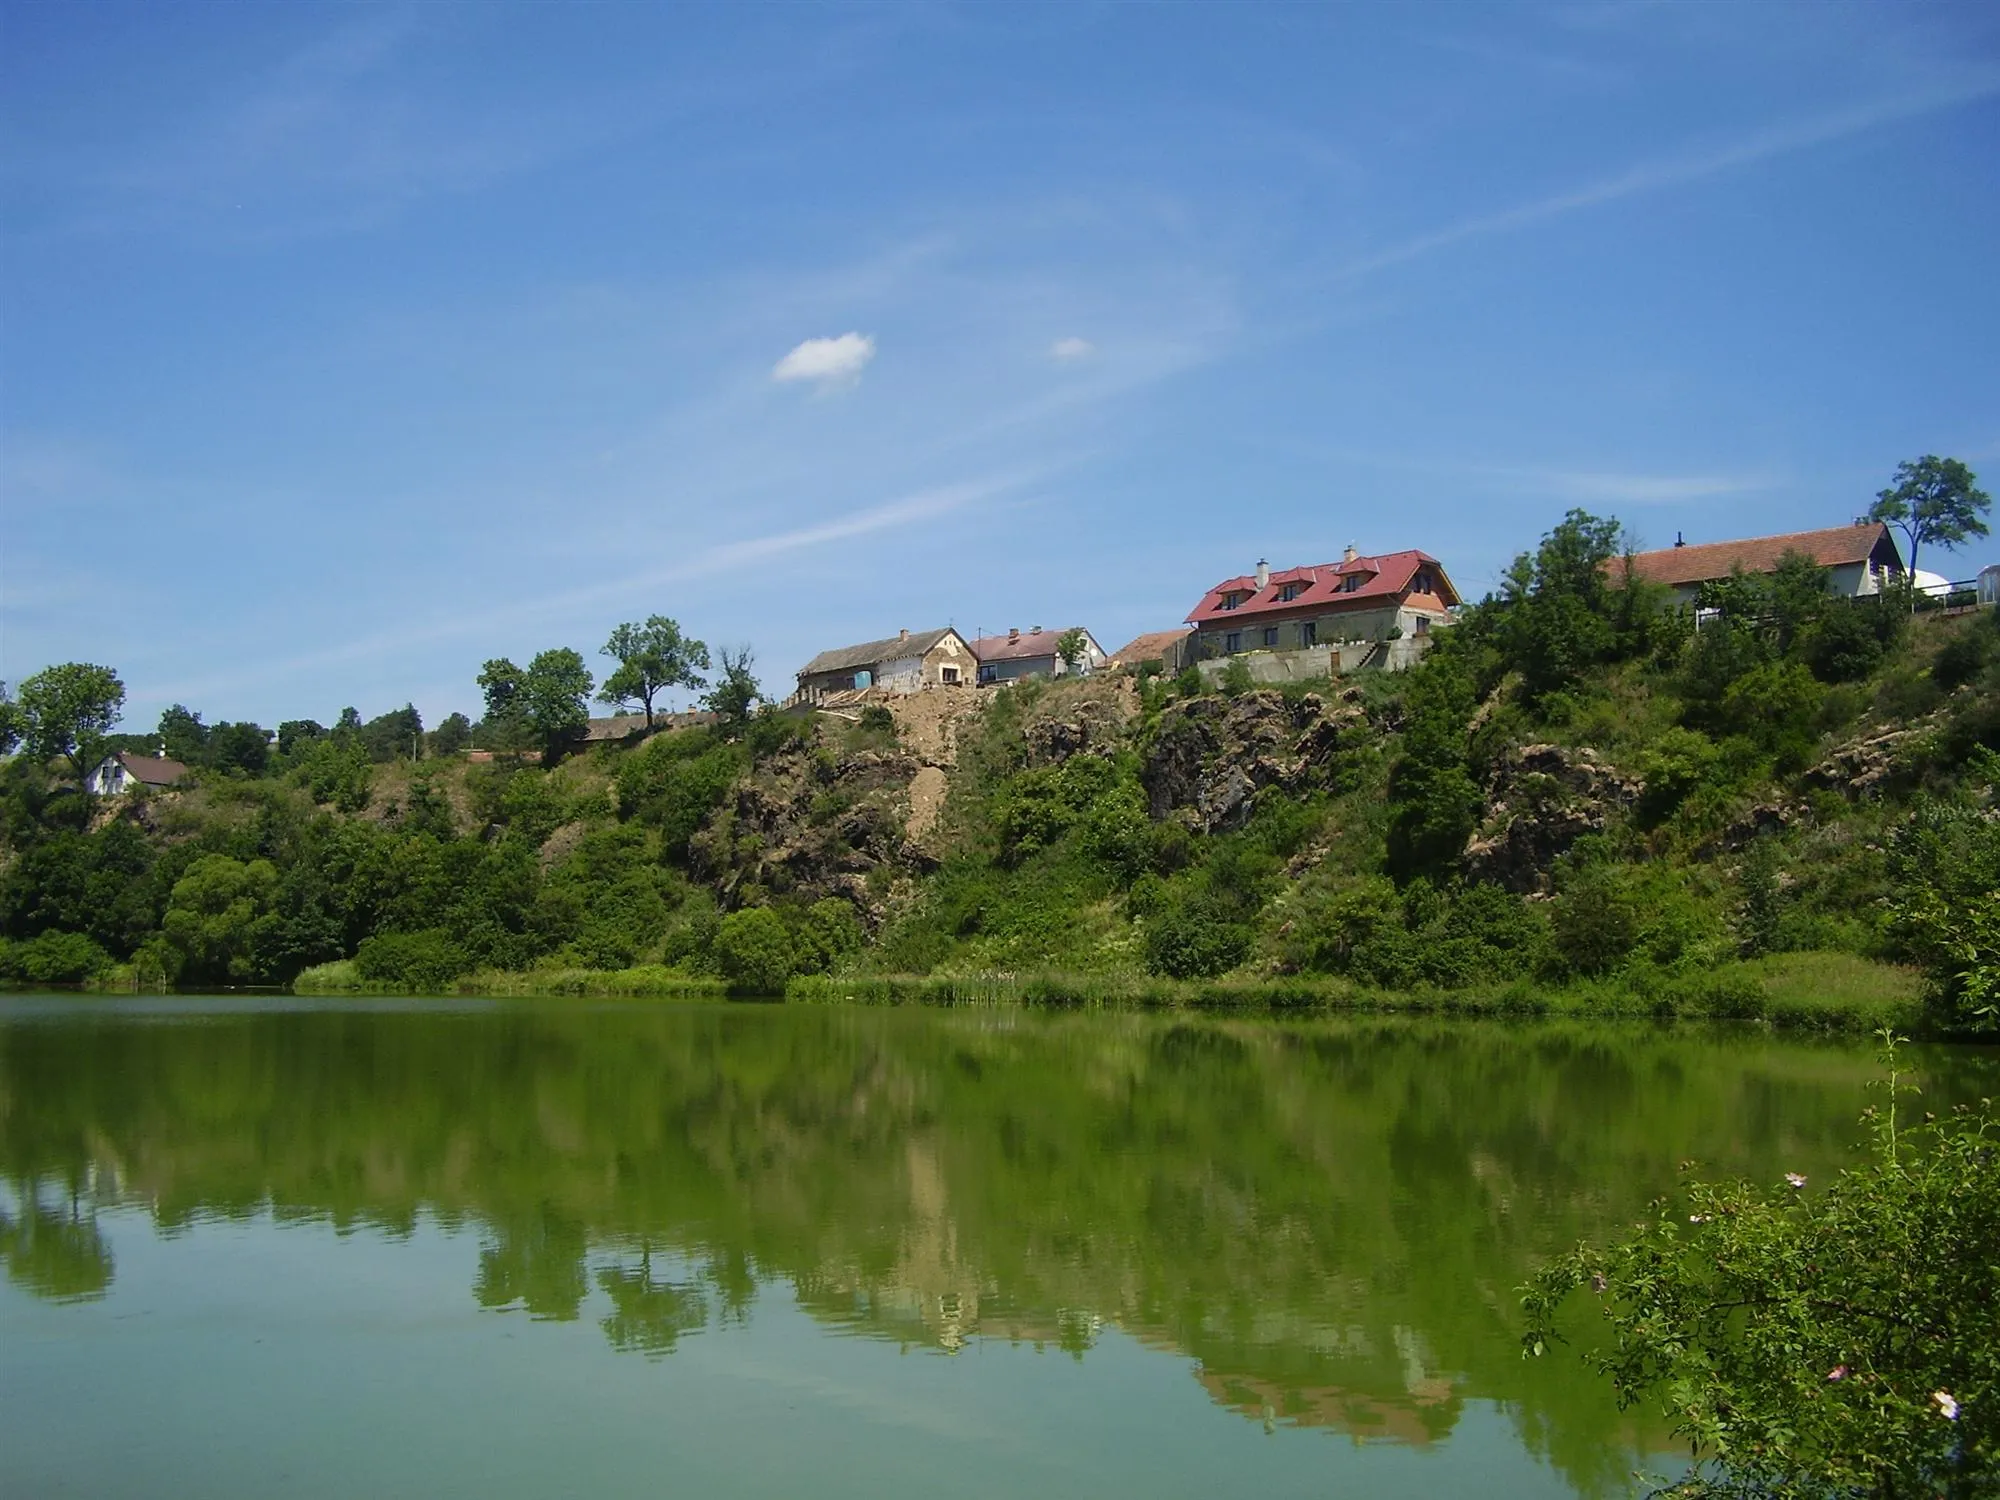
x,y
1033,653
120,773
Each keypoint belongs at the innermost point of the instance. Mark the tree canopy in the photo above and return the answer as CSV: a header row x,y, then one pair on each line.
x,y
736,689
1935,500
67,711
549,700
651,658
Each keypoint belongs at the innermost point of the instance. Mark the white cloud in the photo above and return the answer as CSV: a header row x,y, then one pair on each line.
x,y
827,360
1648,489
1071,348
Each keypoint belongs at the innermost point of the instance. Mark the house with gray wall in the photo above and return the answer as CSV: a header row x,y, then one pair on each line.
x,y
1033,653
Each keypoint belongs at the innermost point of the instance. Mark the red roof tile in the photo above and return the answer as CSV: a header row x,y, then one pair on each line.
x,y
1386,577
1704,561
1028,644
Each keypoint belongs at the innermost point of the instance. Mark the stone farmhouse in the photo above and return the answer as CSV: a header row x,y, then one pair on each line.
x,y
1859,560
1371,603
118,774
1004,658
904,663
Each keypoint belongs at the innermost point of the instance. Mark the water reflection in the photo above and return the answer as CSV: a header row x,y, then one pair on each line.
x,y
1331,1219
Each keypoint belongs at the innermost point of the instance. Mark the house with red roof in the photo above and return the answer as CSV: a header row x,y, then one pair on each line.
x,y
1394,596
1859,560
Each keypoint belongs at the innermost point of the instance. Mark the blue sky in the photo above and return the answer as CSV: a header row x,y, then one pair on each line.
x,y
344,348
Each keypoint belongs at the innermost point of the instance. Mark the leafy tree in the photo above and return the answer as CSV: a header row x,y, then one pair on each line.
x,y
1944,909
67,711
549,700
183,736
1070,646
652,658
1806,1341
1934,500
453,734
296,734
754,949
396,735
348,725
215,916
736,690
1558,611
244,747
10,721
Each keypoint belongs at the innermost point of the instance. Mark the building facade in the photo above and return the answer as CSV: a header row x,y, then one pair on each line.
x,y
1397,595
1860,560
904,663
1033,653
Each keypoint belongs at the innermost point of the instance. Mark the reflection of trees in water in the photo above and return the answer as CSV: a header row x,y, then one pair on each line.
x,y
648,1316
1331,1218
53,1251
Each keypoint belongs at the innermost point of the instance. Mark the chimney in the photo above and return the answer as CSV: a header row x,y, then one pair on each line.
x,y
1349,554
1263,575
1677,540
903,634
1013,632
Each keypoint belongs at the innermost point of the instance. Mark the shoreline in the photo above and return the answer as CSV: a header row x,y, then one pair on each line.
x,y
1827,993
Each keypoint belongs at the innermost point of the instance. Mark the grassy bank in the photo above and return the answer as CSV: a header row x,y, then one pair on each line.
x,y
1826,992
646,981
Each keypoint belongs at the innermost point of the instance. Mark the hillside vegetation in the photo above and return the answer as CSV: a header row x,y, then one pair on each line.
x,y
1579,800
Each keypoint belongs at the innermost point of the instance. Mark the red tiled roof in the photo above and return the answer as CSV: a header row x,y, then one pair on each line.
x,y
153,770
1152,646
1028,644
1386,577
1704,561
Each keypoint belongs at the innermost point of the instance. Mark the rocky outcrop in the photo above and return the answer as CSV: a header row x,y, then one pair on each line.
x,y
1539,800
810,824
1210,756
1859,769
1086,728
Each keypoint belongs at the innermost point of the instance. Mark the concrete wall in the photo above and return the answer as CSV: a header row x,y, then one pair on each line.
x,y
1346,626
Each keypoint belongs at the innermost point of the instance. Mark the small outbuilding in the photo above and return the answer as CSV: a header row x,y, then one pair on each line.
x,y
1162,646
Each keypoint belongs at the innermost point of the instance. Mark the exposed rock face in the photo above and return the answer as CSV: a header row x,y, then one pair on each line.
x,y
1858,769
1089,728
1210,756
807,824
1540,799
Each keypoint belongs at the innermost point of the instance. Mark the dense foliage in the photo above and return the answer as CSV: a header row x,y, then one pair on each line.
x,y
1581,785
1816,1341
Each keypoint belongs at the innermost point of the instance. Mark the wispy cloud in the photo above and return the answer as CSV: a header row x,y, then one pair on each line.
x,y
1676,171
926,504
1640,489
1069,350
827,361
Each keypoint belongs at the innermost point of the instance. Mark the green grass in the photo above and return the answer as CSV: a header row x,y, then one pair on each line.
x,y
647,981
1804,991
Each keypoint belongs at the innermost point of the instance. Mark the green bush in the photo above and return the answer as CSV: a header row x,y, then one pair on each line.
x,y
826,934
754,951
52,958
1814,1340
1945,912
1195,940
1595,924
422,962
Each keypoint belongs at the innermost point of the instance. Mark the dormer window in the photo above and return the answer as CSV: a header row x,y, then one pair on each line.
x,y
1231,599
1289,592
1423,582
1350,583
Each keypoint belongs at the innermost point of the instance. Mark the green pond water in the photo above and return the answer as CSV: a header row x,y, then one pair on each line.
x,y
505,1249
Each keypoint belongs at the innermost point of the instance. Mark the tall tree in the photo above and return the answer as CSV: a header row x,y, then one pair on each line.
x,y
736,689
10,721
182,735
550,699
651,658
67,711
1935,500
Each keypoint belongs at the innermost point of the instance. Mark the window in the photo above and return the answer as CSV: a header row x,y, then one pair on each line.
x,y
948,675
1423,624
1232,642
1270,635
1350,583
1290,592
1423,582
1309,633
